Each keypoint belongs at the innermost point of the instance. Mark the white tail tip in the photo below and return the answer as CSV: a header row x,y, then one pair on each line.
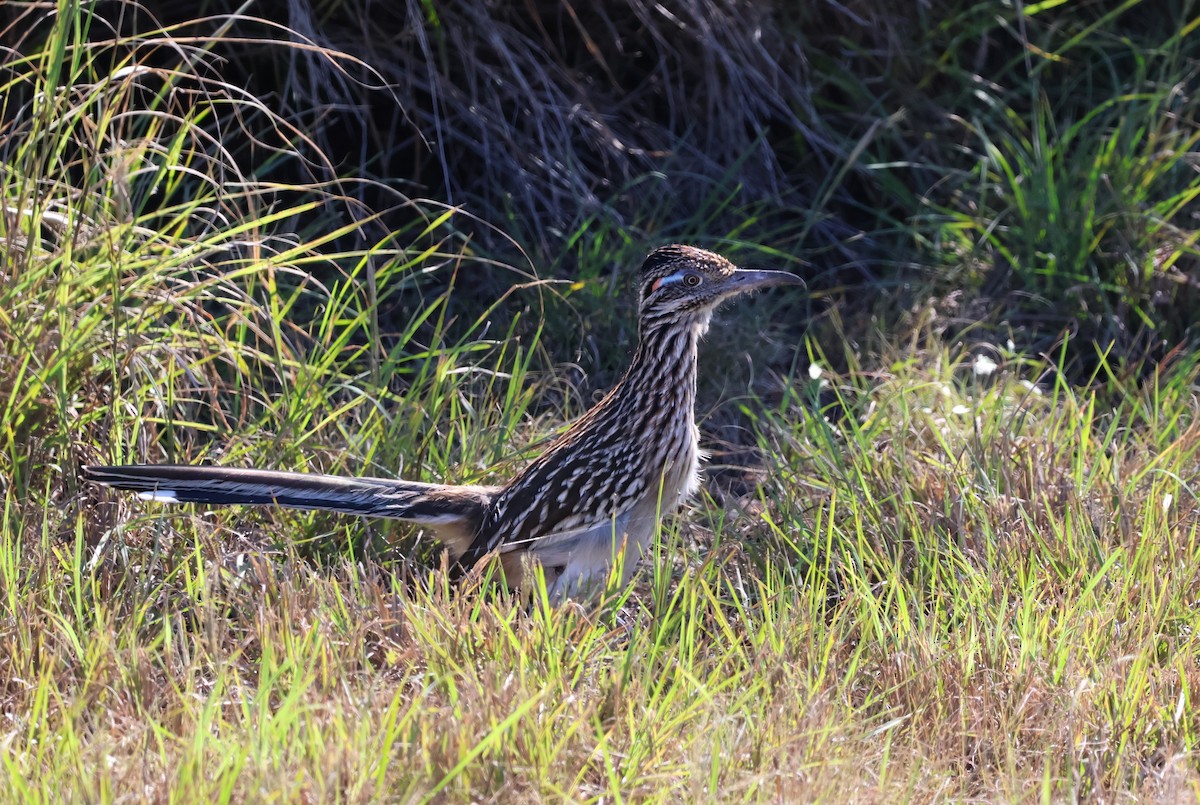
x,y
159,495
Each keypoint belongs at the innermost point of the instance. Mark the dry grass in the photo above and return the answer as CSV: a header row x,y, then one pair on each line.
x,y
994,604
551,117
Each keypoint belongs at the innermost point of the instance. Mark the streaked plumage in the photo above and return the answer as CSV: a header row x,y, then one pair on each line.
x,y
599,489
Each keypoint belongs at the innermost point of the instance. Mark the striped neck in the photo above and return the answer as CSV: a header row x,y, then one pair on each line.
x,y
662,375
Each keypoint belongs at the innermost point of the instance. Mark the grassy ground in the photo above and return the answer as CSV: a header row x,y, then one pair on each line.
x,y
976,587
932,564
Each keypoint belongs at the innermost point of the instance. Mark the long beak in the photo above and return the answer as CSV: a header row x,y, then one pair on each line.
x,y
750,279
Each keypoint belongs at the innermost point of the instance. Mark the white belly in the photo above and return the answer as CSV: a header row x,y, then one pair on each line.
x,y
587,556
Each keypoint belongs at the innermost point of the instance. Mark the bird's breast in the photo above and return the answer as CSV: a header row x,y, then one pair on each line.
x,y
671,453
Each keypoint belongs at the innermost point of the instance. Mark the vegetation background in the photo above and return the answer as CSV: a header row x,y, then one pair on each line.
x,y
947,549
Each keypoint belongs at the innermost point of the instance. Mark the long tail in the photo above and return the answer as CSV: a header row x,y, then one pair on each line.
x,y
457,509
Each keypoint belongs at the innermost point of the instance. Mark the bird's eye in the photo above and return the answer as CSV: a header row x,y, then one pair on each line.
x,y
692,280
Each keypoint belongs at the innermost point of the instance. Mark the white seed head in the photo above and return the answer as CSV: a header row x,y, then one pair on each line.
x,y
984,366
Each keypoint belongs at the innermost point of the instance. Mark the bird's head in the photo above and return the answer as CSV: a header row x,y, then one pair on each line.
x,y
683,285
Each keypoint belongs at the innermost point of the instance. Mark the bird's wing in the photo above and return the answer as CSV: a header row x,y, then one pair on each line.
x,y
574,486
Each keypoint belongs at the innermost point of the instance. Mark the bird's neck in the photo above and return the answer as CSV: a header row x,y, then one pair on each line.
x,y
665,363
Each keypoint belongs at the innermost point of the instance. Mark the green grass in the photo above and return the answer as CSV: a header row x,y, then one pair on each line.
x,y
1088,210
952,570
975,591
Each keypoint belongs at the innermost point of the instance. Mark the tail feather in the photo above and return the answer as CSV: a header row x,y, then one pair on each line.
x,y
432,504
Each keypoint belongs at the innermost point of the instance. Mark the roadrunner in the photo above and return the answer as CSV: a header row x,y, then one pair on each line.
x,y
596,493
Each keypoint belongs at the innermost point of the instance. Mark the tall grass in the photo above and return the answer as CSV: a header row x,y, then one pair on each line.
x,y
1081,195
